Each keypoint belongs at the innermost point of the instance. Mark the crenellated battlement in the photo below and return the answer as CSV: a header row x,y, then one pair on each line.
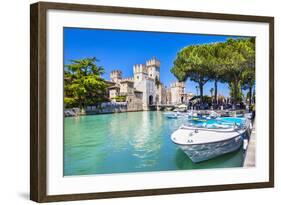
x,y
153,62
127,79
115,75
140,68
119,72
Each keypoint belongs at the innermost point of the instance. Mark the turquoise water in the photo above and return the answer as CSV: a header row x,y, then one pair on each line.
x,y
129,142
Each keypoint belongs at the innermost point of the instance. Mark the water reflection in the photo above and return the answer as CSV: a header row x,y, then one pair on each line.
x,y
146,141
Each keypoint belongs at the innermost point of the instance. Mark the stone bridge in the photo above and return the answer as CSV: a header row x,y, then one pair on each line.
x,y
161,107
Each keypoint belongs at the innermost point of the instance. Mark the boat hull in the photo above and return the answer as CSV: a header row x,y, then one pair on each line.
x,y
202,152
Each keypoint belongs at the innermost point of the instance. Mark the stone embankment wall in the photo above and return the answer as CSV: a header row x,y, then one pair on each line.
x,y
108,107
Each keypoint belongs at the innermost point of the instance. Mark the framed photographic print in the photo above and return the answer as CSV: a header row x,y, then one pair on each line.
x,y
134,102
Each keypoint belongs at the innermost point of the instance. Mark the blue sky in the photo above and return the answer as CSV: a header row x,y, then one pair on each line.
x,y
122,49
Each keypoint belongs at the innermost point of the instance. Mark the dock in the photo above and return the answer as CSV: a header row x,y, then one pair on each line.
x,y
250,155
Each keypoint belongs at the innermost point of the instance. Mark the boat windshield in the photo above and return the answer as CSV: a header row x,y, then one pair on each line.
x,y
218,123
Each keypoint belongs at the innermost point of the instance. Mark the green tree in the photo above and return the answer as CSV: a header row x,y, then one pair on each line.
x,y
120,98
240,57
248,75
235,90
216,64
232,61
83,84
248,82
192,62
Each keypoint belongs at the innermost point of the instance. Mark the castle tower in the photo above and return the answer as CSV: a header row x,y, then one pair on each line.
x,y
140,72
153,68
177,92
116,75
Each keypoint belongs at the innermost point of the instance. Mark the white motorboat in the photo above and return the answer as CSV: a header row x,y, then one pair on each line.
x,y
206,142
214,114
249,115
174,115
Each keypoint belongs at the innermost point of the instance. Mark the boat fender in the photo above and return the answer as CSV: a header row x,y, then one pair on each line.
x,y
245,144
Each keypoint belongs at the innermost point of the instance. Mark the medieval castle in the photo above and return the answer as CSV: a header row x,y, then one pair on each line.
x,y
145,89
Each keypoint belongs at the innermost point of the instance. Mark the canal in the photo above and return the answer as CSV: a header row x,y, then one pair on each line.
x,y
129,142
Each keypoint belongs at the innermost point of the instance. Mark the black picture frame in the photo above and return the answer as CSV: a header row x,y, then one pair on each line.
x,y
38,102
